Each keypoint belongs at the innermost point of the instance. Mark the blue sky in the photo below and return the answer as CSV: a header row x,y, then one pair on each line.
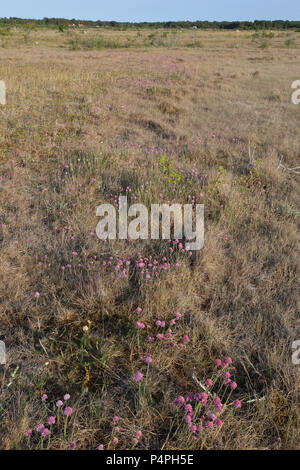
x,y
153,10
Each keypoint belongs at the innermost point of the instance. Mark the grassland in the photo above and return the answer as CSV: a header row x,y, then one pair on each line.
x,y
191,115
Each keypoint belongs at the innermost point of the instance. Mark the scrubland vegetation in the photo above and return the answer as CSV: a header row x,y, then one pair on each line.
x,y
129,344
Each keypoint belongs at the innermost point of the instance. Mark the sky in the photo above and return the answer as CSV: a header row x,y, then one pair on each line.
x,y
153,10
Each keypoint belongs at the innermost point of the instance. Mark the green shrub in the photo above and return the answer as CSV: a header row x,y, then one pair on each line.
x,y
29,26
5,32
289,42
264,44
195,44
95,44
269,35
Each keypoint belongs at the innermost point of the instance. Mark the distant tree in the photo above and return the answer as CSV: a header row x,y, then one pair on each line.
x,y
230,25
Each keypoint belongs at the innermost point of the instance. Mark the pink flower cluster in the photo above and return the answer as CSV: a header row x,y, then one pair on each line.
x,y
147,267
51,420
114,440
166,336
224,365
203,410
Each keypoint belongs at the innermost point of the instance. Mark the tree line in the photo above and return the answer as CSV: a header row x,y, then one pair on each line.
x,y
221,25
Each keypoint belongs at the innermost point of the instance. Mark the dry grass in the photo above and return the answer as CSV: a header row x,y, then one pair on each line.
x,y
89,115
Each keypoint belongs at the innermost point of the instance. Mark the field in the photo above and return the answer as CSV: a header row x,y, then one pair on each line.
x,y
177,116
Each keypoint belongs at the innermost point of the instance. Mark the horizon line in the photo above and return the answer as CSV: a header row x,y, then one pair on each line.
x,y
152,21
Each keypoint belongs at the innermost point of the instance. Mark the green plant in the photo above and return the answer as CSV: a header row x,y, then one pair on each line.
x,y
264,44
289,42
5,31
195,44
268,35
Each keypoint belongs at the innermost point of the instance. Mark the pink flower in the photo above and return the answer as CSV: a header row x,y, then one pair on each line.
x,y
46,432
140,325
68,411
237,403
36,295
209,424
228,360
193,428
138,376
208,382
116,419
138,310
227,375
178,315
218,362
134,441
186,339
200,428
72,445
44,397
179,401
115,440
100,447
40,427
59,403
219,423
233,385
51,420
117,429
139,434
148,360
67,397
28,432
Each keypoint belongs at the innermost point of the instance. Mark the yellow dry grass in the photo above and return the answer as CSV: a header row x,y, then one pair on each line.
x,y
90,114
